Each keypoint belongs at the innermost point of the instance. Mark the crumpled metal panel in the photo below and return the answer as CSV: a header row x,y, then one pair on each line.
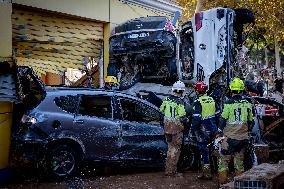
x,y
7,88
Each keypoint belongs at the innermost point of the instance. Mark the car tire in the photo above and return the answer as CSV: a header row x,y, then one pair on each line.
x,y
188,159
62,161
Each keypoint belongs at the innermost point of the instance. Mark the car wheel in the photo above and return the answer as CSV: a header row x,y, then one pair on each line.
x,y
127,79
188,159
62,161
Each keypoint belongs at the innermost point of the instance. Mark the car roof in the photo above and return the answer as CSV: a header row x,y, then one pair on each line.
x,y
58,91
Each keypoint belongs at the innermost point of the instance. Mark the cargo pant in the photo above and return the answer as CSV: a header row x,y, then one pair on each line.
x,y
174,136
232,150
204,137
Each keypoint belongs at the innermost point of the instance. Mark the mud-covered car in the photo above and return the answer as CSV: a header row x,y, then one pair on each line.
x,y
69,126
143,48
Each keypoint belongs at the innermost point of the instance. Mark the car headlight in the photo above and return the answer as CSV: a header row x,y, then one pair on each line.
x,y
28,119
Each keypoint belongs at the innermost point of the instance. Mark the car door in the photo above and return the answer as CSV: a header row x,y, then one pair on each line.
x,y
98,130
142,134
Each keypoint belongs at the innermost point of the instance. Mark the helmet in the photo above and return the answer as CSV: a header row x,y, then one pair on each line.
x,y
201,87
178,86
237,85
110,79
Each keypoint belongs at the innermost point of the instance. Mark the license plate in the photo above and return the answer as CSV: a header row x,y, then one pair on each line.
x,y
138,35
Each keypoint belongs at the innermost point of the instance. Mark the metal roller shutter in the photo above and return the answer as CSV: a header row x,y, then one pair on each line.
x,y
49,42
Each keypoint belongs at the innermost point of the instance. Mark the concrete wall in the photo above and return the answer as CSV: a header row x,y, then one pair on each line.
x,y
93,9
5,29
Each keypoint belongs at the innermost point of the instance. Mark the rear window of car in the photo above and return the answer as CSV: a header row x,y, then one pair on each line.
x,y
67,103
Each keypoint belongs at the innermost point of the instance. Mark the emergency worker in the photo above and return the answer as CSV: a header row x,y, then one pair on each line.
x,y
111,83
236,122
204,125
174,111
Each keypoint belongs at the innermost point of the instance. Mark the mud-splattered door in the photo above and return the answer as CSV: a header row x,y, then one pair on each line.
x,y
97,128
142,134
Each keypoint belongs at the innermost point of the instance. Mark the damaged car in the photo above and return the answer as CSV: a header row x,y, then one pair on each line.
x,y
72,125
142,49
211,43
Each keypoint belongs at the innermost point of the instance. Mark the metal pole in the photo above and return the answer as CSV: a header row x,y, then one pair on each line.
x,y
101,63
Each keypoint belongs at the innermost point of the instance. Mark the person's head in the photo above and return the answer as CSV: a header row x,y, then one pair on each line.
x,y
110,81
178,88
200,87
237,86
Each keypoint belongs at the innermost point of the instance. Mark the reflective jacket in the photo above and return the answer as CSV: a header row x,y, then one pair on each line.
x,y
237,117
173,107
204,110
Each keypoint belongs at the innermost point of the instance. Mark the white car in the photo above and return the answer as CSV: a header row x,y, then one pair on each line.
x,y
204,41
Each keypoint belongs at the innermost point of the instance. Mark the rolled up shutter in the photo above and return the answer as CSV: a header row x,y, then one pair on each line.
x,y
49,42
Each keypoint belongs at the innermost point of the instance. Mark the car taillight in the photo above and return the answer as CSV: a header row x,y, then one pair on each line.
x,y
198,20
28,119
220,13
169,26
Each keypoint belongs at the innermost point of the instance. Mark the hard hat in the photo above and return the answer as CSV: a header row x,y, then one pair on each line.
x,y
178,86
110,79
201,87
237,85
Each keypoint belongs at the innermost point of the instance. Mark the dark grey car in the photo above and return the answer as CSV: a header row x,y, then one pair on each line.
x,y
72,125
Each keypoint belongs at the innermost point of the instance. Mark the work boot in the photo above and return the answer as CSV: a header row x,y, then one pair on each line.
x,y
223,177
206,172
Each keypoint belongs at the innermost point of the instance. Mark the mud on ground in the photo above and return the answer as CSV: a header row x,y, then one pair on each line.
x,y
129,180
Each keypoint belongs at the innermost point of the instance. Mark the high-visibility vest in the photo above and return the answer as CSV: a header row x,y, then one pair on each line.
x,y
208,106
172,109
237,112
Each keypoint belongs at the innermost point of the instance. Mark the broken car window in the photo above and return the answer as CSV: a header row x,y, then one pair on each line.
x,y
67,103
135,111
99,106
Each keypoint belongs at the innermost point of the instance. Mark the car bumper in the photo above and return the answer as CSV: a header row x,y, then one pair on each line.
x,y
27,149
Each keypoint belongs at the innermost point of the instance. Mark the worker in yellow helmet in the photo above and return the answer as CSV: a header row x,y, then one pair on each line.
x,y
111,83
236,123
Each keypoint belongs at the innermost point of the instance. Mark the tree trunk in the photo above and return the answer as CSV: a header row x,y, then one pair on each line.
x,y
266,57
277,58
